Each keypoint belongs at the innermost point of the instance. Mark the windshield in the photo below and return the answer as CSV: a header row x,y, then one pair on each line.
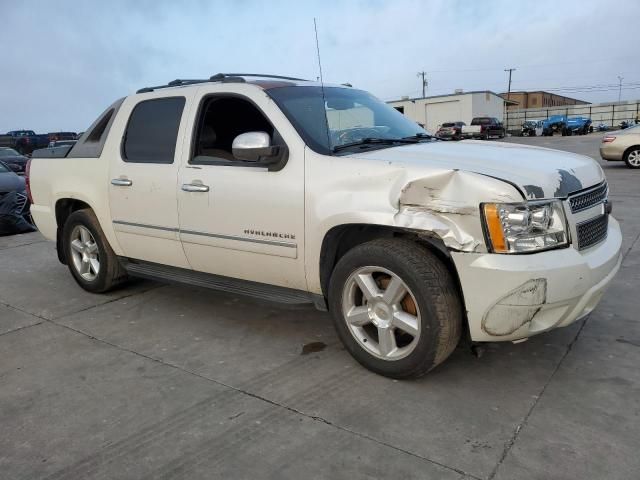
x,y
8,152
351,116
3,169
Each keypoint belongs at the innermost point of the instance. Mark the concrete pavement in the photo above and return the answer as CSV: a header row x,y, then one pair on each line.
x,y
159,381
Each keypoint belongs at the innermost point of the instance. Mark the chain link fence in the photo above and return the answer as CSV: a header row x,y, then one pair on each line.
x,y
610,114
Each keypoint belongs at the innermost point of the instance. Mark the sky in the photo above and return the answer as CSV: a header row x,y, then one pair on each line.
x,y
66,61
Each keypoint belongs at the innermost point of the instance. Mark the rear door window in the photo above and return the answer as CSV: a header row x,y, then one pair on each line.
x,y
152,131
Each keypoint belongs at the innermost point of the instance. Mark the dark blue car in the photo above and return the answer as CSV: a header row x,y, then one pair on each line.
x,y
14,203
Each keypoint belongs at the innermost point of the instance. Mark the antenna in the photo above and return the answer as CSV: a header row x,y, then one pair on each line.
x,y
324,100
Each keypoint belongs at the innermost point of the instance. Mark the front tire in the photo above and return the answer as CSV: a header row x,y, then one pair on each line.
x,y
632,158
92,262
396,307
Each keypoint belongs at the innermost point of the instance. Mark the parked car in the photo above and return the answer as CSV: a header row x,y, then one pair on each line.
x,y
578,126
24,141
622,145
13,159
61,143
529,128
554,124
450,130
14,204
485,128
55,136
298,192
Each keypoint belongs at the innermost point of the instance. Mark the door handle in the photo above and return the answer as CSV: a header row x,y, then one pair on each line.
x,y
195,187
121,182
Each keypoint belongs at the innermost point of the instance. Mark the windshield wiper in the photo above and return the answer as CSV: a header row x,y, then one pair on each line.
x,y
374,141
421,136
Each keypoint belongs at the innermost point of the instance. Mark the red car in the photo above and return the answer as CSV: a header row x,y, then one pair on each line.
x,y
450,130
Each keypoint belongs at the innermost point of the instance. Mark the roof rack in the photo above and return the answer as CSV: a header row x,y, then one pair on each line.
x,y
218,77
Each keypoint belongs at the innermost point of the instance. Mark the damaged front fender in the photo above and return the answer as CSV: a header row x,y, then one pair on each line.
x,y
447,204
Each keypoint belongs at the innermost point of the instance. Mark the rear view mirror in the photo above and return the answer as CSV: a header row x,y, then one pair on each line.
x,y
340,103
251,146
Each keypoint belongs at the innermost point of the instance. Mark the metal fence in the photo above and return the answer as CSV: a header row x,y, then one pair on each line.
x,y
608,114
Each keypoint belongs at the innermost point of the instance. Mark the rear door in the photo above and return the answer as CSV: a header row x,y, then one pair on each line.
x,y
143,175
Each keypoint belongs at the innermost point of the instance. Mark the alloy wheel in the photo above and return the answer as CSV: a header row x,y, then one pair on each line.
x,y
381,313
634,158
84,253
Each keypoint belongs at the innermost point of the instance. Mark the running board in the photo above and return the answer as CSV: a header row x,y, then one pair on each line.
x,y
272,293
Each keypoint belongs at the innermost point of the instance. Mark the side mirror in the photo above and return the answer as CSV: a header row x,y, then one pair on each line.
x,y
252,146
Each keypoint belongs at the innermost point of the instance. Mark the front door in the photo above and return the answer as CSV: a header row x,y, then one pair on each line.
x,y
243,219
143,176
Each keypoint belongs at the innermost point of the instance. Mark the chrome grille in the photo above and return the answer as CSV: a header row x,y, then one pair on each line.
x,y
592,231
588,199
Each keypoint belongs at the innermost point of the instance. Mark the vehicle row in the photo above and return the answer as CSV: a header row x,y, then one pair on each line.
x,y
481,128
26,141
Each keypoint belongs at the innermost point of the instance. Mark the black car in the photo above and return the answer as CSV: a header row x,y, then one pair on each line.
x,y
13,159
14,203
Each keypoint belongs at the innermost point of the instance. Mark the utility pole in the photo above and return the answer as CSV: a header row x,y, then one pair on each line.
x,y
425,82
508,96
619,87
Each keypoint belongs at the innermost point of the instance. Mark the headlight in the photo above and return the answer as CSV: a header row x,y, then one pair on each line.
x,y
525,227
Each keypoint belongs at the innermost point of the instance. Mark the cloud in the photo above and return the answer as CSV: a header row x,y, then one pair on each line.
x,y
69,60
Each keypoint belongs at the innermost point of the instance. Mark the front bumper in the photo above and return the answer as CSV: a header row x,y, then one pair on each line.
x,y
511,297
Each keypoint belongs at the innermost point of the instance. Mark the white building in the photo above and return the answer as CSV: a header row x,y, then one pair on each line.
x,y
462,106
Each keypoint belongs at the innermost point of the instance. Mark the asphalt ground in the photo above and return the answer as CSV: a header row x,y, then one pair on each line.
x,y
163,381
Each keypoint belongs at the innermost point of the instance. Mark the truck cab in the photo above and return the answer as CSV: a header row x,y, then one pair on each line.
x,y
302,192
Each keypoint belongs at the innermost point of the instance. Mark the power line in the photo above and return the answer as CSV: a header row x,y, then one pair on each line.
x,y
487,69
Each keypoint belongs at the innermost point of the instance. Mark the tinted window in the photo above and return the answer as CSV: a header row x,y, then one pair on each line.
x,y
448,124
98,130
152,131
480,121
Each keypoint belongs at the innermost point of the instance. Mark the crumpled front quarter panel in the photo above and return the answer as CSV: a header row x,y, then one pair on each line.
x,y
438,201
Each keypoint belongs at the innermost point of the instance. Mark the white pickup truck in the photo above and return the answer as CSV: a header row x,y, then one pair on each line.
x,y
294,191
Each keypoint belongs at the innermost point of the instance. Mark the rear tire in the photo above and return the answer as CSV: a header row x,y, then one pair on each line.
x,y
92,262
395,307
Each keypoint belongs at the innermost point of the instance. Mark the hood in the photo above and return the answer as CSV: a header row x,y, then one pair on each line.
x,y
537,172
10,182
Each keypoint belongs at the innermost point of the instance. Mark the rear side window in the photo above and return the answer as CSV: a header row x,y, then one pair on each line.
x,y
96,133
152,131
92,141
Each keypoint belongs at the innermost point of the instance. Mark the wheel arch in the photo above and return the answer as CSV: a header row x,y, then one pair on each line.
x,y
628,150
64,207
342,238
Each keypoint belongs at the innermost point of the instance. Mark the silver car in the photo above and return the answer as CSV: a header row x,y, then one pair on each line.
x,y
622,145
